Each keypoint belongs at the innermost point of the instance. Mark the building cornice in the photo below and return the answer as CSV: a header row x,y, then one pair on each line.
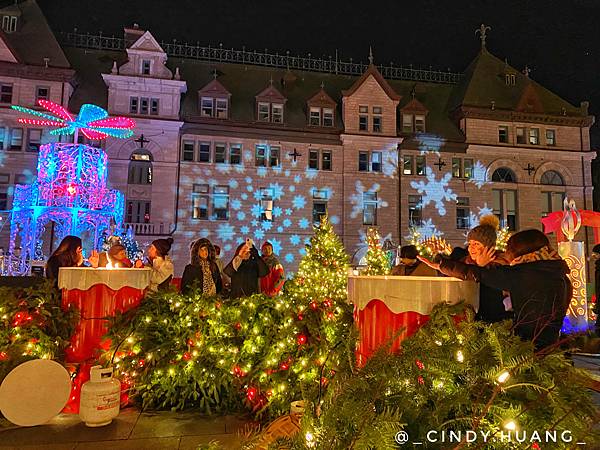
x,y
520,116
30,72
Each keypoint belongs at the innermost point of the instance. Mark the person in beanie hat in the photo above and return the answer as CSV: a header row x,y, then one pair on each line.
x,y
483,253
271,284
160,263
202,271
245,269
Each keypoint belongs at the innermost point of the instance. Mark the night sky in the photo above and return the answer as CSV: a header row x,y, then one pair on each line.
x,y
558,40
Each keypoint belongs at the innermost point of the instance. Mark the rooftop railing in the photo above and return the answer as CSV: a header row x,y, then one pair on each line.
x,y
281,61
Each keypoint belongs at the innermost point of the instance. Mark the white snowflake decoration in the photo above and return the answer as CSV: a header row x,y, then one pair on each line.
x,y
434,191
357,199
479,177
426,230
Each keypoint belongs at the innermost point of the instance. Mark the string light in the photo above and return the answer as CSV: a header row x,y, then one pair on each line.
x,y
503,376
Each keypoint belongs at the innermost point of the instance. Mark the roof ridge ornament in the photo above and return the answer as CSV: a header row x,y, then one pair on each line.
x,y
483,29
526,71
371,55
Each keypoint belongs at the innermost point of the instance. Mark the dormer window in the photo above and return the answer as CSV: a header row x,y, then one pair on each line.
x,y
327,117
146,67
510,79
270,112
413,123
214,107
315,117
206,107
9,24
222,108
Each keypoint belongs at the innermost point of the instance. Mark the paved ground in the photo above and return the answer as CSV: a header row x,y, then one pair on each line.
x,y
132,430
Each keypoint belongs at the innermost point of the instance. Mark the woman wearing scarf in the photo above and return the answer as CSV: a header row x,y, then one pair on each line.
x,y
271,284
536,279
202,272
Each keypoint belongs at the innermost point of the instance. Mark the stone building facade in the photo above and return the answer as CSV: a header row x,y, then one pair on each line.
x,y
227,147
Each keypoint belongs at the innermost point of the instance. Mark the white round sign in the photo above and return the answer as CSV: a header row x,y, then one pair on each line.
x,y
34,392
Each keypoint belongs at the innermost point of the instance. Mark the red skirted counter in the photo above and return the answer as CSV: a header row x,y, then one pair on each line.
x,y
384,305
97,294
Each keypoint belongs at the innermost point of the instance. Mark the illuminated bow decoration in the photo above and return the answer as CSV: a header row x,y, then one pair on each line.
x,y
92,120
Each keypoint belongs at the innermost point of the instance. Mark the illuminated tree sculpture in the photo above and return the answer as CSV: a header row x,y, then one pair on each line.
x,y
70,188
377,260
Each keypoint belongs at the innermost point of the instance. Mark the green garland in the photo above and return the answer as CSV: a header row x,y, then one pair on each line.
x,y
469,376
258,352
33,325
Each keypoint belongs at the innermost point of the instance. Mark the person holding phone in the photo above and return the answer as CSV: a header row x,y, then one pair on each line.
x,y
245,270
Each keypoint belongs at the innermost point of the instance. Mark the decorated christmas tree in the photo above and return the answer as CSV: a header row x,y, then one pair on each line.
x,y
377,259
127,239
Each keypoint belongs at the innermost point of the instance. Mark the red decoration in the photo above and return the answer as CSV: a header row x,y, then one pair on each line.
x,y
187,356
327,303
535,446
238,372
190,342
3,356
420,364
300,317
21,318
301,339
330,315
251,393
238,326
420,380
284,366
141,363
218,305
314,305
324,381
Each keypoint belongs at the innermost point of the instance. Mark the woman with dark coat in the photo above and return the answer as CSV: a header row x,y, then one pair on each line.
x,y
202,271
482,240
536,279
68,254
245,270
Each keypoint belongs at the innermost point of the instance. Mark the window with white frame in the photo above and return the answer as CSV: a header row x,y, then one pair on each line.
x,y
264,112
260,159
319,210
277,112
419,123
220,153
188,150
222,108
415,210
9,24
204,152
133,105
221,202
315,116
146,66
42,93
552,201
154,107
6,93
407,123
266,204
463,213
200,199
34,140
369,208
144,105
328,118
235,154
377,119
140,167
504,204
369,161
462,168
363,118
138,211
16,139
534,136
206,107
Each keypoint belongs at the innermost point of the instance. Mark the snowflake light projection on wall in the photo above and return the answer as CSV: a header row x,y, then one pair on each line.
x,y
357,200
70,189
435,191
259,191
479,177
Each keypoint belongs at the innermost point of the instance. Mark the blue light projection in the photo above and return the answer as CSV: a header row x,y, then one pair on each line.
x,y
435,191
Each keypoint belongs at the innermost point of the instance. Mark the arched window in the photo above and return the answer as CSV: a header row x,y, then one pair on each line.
x,y
504,175
140,167
552,177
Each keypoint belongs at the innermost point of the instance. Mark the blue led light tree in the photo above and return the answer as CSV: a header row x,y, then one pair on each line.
x,y
70,189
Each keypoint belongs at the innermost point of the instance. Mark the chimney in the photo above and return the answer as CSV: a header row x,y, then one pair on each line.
x,y
132,34
584,106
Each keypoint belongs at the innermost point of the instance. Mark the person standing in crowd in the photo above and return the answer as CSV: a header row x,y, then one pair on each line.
x,y
245,269
537,280
68,254
226,281
272,283
116,256
160,263
202,272
410,265
483,253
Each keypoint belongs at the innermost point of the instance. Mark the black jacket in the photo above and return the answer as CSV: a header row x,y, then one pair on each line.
x,y
193,276
540,292
244,280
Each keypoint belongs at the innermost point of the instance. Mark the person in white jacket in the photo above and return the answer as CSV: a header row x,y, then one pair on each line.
x,y
160,263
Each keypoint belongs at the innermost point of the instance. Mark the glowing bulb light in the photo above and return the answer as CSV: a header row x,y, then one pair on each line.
x,y
92,120
503,377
